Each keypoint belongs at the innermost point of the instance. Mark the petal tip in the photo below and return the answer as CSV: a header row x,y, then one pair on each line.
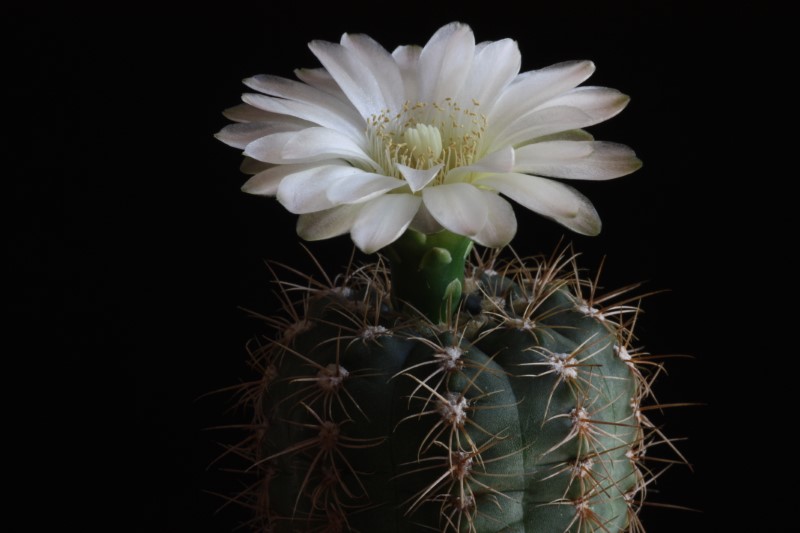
x,y
248,188
594,231
587,222
622,101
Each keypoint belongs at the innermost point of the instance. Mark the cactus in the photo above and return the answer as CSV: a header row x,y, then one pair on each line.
x,y
423,392
520,412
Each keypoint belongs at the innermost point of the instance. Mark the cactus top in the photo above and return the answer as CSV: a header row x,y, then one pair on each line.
x,y
428,138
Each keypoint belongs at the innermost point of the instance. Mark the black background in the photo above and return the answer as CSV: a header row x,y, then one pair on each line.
x,y
137,250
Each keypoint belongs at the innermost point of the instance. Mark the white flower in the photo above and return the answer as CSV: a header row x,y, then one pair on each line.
x,y
428,138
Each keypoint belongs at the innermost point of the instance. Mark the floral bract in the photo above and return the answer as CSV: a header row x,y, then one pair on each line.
x,y
429,137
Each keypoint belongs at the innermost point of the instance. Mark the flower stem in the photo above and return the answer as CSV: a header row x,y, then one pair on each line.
x,y
428,271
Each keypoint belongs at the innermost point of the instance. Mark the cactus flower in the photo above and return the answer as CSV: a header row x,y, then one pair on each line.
x,y
430,138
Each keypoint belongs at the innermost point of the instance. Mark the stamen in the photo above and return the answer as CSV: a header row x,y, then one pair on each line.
x,y
426,134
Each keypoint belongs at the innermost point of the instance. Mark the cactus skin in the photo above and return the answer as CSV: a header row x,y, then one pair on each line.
x,y
520,414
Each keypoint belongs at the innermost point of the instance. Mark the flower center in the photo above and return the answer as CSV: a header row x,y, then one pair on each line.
x,y
424,135
423,146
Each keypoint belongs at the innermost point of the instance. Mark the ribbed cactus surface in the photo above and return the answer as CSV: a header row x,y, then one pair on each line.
x,y
518,413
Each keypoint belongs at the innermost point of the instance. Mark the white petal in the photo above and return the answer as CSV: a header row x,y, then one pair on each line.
x,y
382,66
592,160
326,224
458,207
407,58
307,191
323,143
501,223
497,162
495,65
310,112
553,150
362,187
549,198
382,220
532,88
241,134
444,62
546,121
253,166
578,108
301,92
424,222
247,113
313,114
322,80
269,149
418,179
569,135
355,79
266,181
310,144
600,103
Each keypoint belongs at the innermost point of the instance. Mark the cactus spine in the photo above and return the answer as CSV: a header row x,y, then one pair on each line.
x,y
503,397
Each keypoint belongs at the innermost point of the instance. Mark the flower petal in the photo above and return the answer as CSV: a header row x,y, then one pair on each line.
x,y
549,198
600,103
269,149
362,187
310,144
497,162
326,224
382,65
266,181
578,108
307,191
459,207
495,65
307,111
444,62
424,222
247,113
592,160
241,134
569,135
253,166
323,143
407,58
302,92
322,80
501,223
382,220
418,178
545,121
356,81
532,88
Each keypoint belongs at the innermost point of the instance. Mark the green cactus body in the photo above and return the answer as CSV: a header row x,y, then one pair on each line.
x,y
518,413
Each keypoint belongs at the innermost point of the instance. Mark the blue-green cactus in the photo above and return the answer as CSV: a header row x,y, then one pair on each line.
x,y
511,407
